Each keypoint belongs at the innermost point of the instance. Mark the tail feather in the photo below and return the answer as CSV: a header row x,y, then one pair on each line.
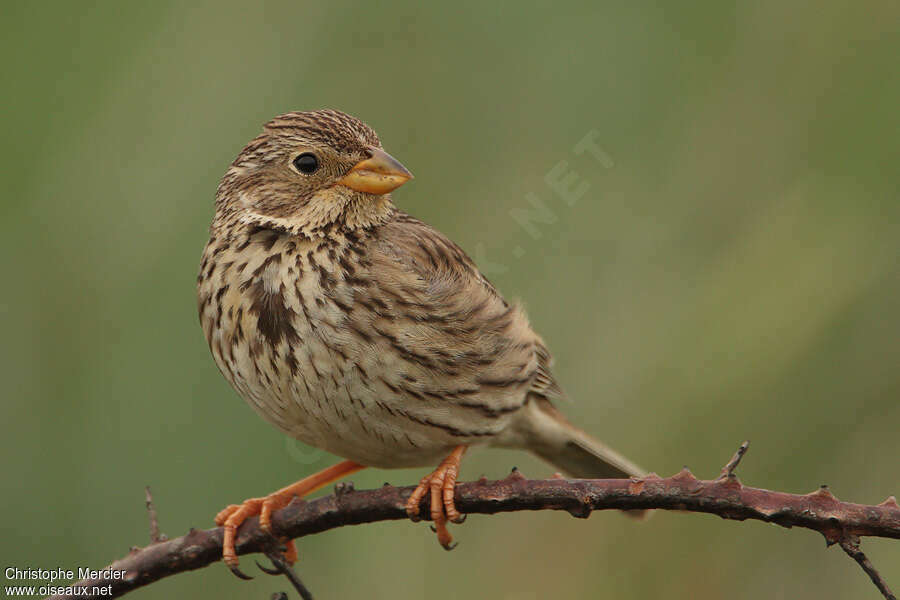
x,y
568,448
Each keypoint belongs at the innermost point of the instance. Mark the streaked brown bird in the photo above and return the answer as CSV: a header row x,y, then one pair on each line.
x,y
358,329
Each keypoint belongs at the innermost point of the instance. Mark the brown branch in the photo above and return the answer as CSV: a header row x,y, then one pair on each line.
x,y
840,522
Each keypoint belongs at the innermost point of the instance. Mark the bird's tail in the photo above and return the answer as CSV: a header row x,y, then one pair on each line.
x,y
552,437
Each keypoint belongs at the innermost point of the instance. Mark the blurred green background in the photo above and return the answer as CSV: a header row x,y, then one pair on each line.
x,y
732,272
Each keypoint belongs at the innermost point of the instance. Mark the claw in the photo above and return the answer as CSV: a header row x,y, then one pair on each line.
x,y
450,547
238,573
267,570
460,519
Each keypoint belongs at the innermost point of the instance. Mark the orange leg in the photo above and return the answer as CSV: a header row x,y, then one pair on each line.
x,y
441,483
232,516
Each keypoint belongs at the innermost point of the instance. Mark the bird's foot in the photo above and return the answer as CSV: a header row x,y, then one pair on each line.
x,y
441,484
231,517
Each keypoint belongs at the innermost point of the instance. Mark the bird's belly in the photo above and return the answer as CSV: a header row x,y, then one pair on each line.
x,y
343,398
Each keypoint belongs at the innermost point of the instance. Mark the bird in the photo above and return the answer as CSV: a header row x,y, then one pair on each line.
x,y
360,330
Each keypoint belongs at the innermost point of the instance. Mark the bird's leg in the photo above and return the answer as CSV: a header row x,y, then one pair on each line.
x,y
442,484
231,517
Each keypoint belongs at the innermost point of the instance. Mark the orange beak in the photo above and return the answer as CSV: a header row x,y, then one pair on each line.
x,y
376,175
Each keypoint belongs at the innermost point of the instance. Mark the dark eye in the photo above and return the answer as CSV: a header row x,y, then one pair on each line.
x,y
306,163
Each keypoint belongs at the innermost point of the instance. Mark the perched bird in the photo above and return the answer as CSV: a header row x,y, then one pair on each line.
x,y
358,329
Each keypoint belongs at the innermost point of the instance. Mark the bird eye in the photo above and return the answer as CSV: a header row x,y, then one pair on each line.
x,y
306,163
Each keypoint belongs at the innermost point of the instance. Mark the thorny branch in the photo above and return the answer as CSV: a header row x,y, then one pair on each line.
x,y
840,522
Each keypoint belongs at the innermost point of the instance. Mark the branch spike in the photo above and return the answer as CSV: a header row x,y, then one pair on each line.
x,y
890,502
343,488
515,475
822,492
684,475
194,537
581,511
636,486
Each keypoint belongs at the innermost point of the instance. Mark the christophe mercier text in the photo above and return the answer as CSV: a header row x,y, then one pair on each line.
x,y
51,575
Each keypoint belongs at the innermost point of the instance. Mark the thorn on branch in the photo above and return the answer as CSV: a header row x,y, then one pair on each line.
x,y
155,535
580,511
515,475
345,487
850,545
824,493
890,502
685,475
728,470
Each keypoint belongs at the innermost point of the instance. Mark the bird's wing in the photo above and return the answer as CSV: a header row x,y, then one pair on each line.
x,y
450,321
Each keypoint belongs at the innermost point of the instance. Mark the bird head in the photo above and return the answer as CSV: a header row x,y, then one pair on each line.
x,y
309,171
